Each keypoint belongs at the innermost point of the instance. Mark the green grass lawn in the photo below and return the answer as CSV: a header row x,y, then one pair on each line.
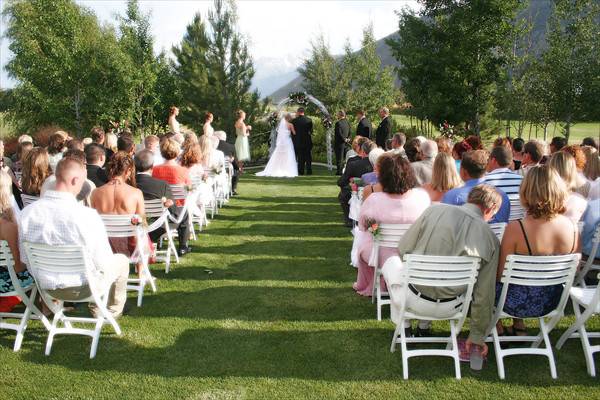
x,y
276,319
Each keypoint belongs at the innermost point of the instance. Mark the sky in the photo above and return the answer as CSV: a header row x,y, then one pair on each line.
x,y
279,31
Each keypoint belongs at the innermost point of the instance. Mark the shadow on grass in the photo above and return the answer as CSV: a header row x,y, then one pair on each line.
x,y
281,247
324,355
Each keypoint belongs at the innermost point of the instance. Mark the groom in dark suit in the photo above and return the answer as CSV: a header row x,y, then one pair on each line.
x,y
342,137
364,127
384,130
303,141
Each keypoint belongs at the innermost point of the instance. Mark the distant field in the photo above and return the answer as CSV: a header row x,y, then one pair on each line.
x,y
578,131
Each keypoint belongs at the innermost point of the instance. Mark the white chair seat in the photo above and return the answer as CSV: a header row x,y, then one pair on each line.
x,y
584,296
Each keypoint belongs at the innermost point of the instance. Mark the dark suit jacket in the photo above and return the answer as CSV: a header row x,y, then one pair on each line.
x,y
153,189
342,131
97,175
304,129
383,133
364,128
229,150
354,169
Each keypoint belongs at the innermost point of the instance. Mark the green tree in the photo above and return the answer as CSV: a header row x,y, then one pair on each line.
x,y
70,70
454,56
569,67
216,69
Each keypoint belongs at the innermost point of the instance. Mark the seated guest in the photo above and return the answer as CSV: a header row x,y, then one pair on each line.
x,y
99,138
56,147
125,144
6,162
472,170
36,169
444,230
444,177
533,152
354,169
170,171
592,164
370,178
590,141
564,163
111,142
152,144
153,189
458,150
517,152
557,143
424,167
352,154
503,141
95,157
22,149
499,173
475,142
398,203
190,139
191,158
229,151
543,232
398,141
444,145
205,147
217,157
9,233
58,220
591,220
86,190
119,196
412,149
582,185
86,141
75,144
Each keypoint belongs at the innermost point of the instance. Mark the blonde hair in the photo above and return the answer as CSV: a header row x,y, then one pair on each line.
x,y
592,164
190,139
206,148
543,193
564,163
6,195
169,149
110,141
444,175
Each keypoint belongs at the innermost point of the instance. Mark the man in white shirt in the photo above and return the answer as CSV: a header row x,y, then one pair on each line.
x,y
58,219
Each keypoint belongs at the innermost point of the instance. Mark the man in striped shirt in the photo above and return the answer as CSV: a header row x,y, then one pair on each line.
x,y
499,173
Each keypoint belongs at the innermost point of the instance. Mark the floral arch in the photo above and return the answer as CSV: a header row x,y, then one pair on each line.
x,y
303,99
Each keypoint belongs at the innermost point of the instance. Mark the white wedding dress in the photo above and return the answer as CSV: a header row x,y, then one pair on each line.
x,y
282,163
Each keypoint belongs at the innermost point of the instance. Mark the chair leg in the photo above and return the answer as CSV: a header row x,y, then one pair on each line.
x,y
96,337
396,332
52,332
455,354
549,353
375,284
404,350
21,329
499,355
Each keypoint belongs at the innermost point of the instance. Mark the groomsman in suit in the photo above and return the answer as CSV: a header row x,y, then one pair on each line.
x,y
364,127
303,144
153,189
342,137
384,130
95,157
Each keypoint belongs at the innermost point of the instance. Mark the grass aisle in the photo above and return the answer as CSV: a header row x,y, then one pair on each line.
x,y
276,318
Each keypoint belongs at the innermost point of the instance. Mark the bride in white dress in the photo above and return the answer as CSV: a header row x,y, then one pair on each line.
x,y
282,163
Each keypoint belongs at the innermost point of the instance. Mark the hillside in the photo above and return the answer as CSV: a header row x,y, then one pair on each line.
x,y
538,12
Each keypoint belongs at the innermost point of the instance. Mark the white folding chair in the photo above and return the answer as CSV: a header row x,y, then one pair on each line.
x,y
156,210
120,226
204,191
586,303
230,171
46,259
389,236
180,193
589,265
27,199
498,229
433,271
26,294
516,209
533,271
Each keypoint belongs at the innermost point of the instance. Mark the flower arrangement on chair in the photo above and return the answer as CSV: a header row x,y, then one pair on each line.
x,y
373,227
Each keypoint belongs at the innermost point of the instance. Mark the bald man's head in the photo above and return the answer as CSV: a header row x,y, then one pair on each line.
x,y
70,175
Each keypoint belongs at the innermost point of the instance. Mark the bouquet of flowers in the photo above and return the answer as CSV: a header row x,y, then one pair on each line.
x,y
447,130
272,119
299,98
373,227
327,123
357,181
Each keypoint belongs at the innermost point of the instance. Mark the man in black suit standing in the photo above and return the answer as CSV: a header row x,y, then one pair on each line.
x,y
95,157
384,130
364,127
342,137
303,144
354,169
153,189
229,150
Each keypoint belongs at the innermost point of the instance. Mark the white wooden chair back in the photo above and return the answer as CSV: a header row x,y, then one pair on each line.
x,y
389,236
156,210
27,296
28,199
537,271
433,271
589,265
498,229
46,259
179,192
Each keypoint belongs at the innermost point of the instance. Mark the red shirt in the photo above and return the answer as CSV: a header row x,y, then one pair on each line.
x,y
173,175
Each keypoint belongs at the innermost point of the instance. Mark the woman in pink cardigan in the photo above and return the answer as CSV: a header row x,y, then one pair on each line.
x,y
399,202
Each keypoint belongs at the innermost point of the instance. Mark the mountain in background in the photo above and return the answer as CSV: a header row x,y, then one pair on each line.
x,y
539,12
